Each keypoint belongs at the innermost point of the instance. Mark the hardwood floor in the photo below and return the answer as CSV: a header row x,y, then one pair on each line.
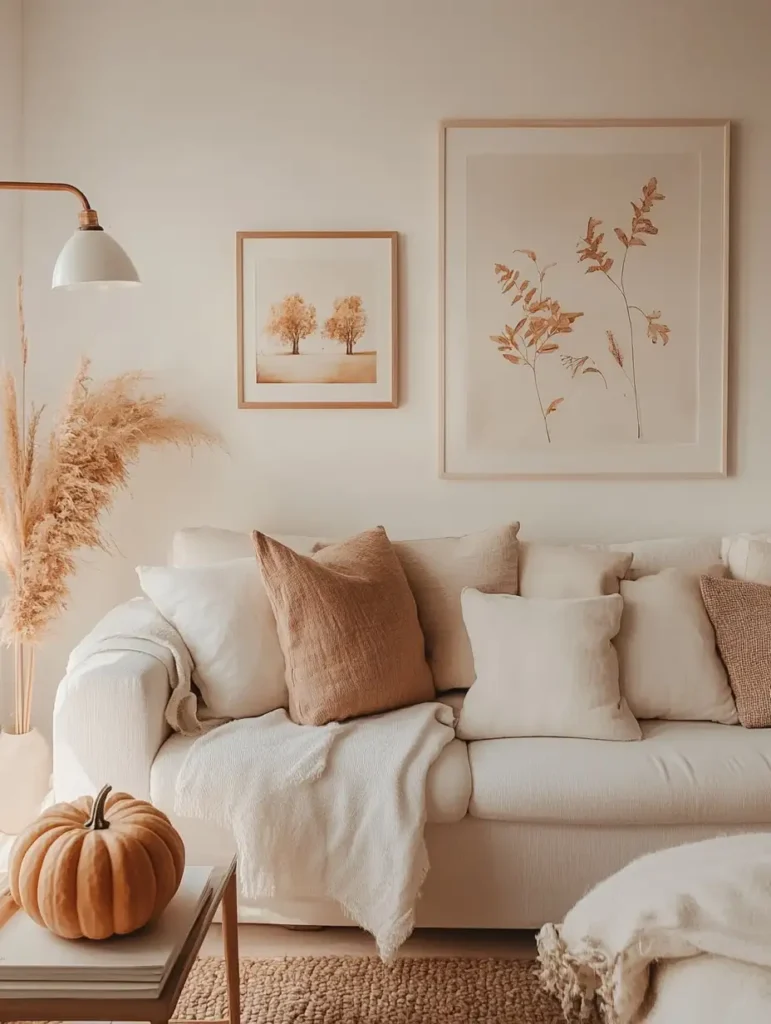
x,y
268,940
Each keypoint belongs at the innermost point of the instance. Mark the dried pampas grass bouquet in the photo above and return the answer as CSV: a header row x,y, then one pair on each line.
x,y
54,493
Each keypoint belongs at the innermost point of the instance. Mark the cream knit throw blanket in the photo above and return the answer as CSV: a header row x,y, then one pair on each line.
x,y
712,897
330,812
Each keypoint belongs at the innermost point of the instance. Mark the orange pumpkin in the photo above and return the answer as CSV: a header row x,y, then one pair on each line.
x,y
96,868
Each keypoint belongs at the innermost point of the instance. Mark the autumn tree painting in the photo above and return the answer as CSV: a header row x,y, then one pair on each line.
x,y
348,322
541,320
590,249
291,320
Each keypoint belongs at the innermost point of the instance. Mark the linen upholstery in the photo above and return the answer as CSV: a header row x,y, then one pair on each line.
x,y
544,668
348,628
680,773
561,570
693,554
668,661
203,545
741,615
438,569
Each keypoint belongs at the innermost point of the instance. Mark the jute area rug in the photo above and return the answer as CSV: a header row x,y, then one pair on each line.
x,y
363,990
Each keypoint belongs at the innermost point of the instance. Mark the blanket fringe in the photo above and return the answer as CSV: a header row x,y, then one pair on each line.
x,y
583,983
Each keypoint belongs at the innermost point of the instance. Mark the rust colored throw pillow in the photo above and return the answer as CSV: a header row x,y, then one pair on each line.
x,y
348,627
741,615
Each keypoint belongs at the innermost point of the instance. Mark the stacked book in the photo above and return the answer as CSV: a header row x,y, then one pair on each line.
x,y
36,964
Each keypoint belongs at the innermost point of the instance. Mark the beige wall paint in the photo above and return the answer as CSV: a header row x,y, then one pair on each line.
x,y
10,210
186,121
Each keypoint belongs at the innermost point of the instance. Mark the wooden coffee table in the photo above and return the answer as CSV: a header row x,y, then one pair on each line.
x,y
157,1010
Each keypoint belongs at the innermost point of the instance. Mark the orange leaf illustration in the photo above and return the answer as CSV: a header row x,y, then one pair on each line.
x,y
549,346
511,358
634,240
554,405
591,369
621,237
529,253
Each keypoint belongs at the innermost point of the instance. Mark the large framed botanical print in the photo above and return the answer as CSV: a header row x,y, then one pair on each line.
x,y
584,303
317,319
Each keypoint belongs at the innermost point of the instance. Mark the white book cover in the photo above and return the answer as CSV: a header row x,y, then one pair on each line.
x,y
30,953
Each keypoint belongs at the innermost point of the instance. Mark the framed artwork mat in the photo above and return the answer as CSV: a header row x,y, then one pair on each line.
x,y
584,298
317,319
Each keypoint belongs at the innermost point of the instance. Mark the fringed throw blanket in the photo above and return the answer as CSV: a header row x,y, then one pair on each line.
x,y
331,812
710,897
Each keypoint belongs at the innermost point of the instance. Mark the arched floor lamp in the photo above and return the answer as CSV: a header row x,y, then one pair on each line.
x,y
90,257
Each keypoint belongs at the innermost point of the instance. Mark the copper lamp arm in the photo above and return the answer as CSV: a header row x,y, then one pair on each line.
x,y
88,217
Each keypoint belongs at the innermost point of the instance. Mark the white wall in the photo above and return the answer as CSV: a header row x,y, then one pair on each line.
x,y
10,208
186,120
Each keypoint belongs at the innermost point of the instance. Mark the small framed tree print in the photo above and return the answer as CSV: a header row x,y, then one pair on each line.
x,y
317,319
584,298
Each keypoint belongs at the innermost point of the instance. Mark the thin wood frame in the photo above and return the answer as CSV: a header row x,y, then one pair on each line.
x,y
241,236
446,124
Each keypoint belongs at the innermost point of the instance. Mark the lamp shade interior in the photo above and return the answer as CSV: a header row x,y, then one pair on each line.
x,y
93,258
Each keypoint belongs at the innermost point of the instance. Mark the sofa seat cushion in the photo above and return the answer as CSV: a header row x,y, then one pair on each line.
x,y
448,786
679,773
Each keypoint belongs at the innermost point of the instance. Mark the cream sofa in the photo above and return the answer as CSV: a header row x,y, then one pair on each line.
x,y
518,829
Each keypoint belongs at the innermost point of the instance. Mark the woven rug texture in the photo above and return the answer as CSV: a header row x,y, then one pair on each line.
x,y
363,990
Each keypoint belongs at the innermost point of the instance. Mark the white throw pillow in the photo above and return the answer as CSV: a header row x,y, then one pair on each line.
x,y
562,570
544,668
748,557
224,616
668,659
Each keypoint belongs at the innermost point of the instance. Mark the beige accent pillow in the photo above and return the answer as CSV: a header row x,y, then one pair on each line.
x,y
348,628
669,665
741,615
544,668
438,569
560,570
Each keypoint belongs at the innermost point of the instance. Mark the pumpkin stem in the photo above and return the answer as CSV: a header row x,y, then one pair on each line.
x,y
97,821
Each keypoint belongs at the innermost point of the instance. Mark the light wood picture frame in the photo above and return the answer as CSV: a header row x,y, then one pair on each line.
x,y
583,298
318,319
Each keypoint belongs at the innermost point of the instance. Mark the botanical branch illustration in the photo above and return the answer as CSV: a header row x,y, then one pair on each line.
x,y
291,320
348,323
590,248
533,336
582,365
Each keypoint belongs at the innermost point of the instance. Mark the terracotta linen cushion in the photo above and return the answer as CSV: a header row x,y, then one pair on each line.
x,y
348,627
741,615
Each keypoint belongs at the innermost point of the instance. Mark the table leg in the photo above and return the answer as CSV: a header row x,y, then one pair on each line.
x,y
230,938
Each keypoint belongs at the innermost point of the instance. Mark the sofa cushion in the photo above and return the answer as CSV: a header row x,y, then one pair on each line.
x,y
748,557
680,773
204,545
694,554
448,783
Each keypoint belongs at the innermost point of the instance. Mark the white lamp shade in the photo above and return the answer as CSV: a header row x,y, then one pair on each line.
x,y
93,258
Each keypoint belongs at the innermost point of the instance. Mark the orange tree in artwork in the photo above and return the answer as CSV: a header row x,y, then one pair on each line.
x,y
348,322
291,320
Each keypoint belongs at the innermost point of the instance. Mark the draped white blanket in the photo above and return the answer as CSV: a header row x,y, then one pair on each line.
x,y
712,897
333,812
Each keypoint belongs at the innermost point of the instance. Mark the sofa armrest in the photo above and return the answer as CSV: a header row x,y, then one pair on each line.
x,y
109,723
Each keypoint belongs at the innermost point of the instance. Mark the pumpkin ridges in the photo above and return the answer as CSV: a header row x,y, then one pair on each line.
x,y
128,809
57,885
24,876
93,901
169,834
134,889
164,866
23,843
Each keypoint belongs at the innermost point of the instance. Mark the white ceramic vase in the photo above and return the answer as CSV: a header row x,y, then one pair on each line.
x,y
25,778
